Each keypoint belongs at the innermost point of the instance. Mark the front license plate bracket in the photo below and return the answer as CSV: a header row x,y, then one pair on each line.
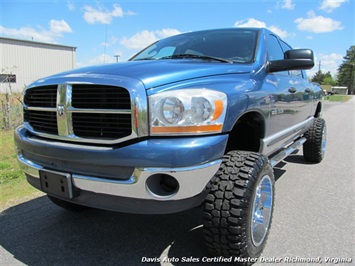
x,y
56,183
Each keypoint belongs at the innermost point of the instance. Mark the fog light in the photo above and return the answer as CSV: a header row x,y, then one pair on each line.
x,y
162,186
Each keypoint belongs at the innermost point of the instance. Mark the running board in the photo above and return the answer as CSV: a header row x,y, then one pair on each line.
x,y
276,158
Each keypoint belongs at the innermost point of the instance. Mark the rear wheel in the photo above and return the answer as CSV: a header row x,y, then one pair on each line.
x,y
238,209
314,147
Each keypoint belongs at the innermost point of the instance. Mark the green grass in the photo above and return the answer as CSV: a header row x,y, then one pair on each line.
x,y
13,185
337,98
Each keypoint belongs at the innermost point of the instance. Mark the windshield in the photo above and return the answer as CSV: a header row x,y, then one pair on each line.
x,y
234,45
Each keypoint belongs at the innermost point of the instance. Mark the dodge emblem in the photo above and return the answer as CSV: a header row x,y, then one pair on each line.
x,y
60,110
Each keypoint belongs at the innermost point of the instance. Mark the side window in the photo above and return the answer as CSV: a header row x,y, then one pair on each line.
x,y
285,46
275,52
274,49
294,73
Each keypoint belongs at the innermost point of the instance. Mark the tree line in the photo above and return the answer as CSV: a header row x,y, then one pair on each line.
x,y
345,76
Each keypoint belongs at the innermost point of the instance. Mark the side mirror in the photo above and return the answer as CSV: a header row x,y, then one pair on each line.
x,y
297,59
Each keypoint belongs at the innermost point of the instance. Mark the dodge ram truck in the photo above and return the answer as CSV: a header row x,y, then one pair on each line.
x,y
194,120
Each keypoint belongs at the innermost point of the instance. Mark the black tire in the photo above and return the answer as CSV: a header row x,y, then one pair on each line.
x,y
229,208
67,205
314,147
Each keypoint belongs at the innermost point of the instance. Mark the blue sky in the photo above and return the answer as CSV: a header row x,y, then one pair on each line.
x,y
102,29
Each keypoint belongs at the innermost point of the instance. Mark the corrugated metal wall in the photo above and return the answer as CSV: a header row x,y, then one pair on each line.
x,y
32,60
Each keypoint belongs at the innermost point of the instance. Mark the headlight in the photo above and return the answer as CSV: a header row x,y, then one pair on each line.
x,y
187,111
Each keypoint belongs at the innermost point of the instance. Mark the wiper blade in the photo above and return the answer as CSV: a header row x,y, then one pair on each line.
x,y
203,57
145,58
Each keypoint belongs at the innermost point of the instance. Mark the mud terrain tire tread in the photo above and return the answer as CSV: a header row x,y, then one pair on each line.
x,y
312,148
227,209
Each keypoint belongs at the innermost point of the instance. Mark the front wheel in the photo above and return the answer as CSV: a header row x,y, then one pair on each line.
x,y
238,209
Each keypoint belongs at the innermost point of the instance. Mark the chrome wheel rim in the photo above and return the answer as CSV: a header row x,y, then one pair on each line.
x,y
324,140
262,210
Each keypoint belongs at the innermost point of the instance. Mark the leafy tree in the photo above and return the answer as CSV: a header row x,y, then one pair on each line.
x,y
346,71
323,79
329,81
318,77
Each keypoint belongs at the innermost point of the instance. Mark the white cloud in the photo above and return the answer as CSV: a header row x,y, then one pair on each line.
x,y
56,29
110,41
278,31
317,24
252,22
139,40
102,15
59,26
98,60
329,62
330,5
145,37
71,6
286,4
26,33
167,32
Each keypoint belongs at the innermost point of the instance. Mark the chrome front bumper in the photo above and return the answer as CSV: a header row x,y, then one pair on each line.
x,y
192,181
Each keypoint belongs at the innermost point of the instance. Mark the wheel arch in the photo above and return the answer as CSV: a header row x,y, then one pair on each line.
x,y
318,111
247,132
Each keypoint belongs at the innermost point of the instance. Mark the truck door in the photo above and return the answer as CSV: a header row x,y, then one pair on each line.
x,y
290,104
302,91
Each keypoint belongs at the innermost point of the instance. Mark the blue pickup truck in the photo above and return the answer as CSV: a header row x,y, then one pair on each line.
x,y
194,120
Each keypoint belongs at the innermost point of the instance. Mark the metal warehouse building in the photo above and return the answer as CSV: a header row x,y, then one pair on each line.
x,y
23,62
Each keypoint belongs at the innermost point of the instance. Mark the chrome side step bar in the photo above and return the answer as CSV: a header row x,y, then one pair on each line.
x,y
280,155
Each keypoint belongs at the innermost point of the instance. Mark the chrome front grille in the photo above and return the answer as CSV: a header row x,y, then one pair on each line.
x,y
79,112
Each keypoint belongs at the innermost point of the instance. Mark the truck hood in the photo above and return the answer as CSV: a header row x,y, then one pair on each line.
x,y
151,73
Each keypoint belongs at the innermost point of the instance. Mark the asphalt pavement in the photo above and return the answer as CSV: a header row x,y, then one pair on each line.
x,y
313,220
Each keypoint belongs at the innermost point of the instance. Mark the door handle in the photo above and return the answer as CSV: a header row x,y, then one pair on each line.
x,y
292,90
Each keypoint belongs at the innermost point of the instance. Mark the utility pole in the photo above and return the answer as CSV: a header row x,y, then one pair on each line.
x,y
319,73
